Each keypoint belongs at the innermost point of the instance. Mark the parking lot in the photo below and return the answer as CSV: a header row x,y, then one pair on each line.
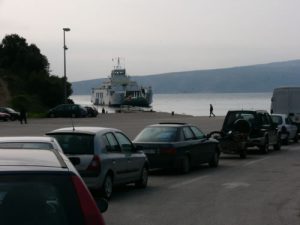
x,y
262,189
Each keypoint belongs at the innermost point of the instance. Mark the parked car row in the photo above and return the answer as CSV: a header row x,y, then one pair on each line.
x,y
72,110
57,170
105,157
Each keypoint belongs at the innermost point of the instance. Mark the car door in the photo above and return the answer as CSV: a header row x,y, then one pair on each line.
x,y
115,159
290,127
191,145
272,128
205,148
134,159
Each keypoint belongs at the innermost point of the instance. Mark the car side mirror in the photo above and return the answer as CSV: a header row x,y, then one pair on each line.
x,y
138,148
102,205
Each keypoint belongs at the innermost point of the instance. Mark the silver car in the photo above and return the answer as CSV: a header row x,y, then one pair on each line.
x,y
287,130
103,156
30,142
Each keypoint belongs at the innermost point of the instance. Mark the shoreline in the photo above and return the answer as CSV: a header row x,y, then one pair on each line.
x,y
130,123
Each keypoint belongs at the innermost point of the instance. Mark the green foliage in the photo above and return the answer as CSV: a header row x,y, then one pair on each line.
x,y
26,72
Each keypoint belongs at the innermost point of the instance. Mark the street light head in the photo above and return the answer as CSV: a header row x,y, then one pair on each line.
x,y
66,29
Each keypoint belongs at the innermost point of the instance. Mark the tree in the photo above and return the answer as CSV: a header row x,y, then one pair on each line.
x,y
26,72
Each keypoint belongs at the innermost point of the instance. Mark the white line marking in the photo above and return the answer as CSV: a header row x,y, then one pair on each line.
x,y
188,182
233,185
255,161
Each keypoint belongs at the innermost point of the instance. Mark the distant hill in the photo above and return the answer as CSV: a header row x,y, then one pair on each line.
x,y
255,78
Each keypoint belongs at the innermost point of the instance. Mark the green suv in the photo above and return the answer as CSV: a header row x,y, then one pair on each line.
x,y
247,128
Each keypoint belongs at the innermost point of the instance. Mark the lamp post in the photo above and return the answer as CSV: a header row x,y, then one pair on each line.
x,y
65,75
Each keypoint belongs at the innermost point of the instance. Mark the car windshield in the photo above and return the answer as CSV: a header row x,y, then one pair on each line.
x,y
157,134
26,145
10,110
75,143
277,119
38,199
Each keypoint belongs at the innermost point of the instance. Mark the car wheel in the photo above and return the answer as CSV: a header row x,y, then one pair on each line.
x,y
143,181
185,165
243,153
107,187
265,147
214,162
286,140
296,138
277,146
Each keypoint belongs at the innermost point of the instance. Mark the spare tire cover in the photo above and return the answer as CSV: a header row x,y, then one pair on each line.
x,y
241,125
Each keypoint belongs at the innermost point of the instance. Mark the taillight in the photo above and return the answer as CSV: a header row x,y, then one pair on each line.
x,y
91,213
169,150
95,164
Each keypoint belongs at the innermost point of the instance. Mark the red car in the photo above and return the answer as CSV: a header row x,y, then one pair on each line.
x,y
41,187
4,116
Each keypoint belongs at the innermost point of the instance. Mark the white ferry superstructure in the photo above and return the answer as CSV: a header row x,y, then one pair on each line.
x,y
119,89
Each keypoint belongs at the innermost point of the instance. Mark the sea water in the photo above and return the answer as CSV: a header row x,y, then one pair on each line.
x,y
197,104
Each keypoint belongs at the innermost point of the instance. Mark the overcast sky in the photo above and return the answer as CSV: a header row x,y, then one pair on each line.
x,y
155,36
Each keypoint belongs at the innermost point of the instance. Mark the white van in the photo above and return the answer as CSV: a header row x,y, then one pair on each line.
x,y
286,100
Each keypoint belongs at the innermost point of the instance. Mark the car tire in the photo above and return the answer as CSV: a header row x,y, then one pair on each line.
x,y
277,146
214,162
286,140
185,165
265,147
107,187
243,153
296,138
143,181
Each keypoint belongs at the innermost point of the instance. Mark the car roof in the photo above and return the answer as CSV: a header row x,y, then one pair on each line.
x,y
249,110
85,130
169,124
27,139
31,160
278,114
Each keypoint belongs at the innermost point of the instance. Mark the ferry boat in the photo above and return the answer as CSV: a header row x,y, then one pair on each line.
x,y
119,90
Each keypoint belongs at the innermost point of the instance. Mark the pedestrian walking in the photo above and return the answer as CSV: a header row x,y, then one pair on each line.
x,y
211,111
23,115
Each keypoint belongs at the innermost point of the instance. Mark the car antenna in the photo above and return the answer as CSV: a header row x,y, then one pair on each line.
x,y
72,124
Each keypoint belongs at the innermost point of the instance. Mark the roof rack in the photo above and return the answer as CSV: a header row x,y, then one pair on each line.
x,y
172,123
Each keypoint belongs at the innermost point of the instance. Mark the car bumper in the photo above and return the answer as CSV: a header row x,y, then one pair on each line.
x,y
232,147
163,161
92,182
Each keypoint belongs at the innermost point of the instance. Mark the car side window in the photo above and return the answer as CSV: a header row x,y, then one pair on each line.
x,y
264,119
288,120
112,144
124,142
188,134
198,133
